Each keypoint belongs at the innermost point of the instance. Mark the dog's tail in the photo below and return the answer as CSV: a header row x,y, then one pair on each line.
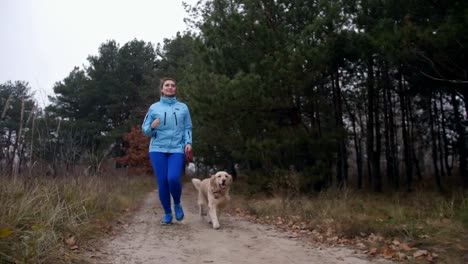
x,y
196,183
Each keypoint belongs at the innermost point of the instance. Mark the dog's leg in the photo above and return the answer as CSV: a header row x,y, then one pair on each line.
x,y
209,215
203,210
213,215
200,207
201,204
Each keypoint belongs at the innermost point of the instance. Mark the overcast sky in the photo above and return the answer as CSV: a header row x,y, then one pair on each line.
x,y
42,40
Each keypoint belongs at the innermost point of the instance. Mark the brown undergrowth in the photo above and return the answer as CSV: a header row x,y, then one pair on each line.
x,y
420,227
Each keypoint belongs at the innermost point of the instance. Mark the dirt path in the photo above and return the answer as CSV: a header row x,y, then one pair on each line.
x,y
144,240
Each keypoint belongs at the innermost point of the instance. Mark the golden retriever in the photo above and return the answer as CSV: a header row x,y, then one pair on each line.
x,y
213,193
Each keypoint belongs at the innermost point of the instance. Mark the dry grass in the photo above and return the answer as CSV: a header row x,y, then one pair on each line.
x,y
49,220
424,220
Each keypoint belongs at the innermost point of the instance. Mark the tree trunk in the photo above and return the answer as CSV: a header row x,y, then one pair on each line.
x,y
357,143
319,126
463,168
444,136
390,147
377,181
342,163
362,127
31,155
437,129
6,106
434,144
461,144
370,121
15,165
412,136
393,142
404,131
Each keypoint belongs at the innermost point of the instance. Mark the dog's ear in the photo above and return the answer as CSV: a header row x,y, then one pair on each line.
x,y
229,177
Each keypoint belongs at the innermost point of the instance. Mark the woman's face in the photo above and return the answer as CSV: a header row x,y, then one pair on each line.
x,y
169,88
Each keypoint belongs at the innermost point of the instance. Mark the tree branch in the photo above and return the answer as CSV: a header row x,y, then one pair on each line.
x,y
443,80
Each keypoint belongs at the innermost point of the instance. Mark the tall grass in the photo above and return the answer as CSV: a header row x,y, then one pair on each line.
x,y
39,216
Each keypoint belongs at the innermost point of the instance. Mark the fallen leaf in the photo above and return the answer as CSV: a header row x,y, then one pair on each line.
x,y
70,241
420,253
396,248
343,241
405,247
372,251
361,246
388,253
75,247
401,256
373,238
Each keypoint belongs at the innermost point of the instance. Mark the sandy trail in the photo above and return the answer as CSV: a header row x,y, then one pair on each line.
x,y
193,240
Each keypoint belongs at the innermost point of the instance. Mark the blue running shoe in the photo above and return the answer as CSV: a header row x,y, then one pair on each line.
x,y
167,219
179,212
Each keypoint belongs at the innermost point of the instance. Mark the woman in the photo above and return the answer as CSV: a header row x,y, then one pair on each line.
x,y
169,125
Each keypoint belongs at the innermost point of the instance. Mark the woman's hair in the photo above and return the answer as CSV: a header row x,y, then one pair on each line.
x,y
162,81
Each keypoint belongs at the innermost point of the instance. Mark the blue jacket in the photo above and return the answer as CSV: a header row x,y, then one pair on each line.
x,y
175,129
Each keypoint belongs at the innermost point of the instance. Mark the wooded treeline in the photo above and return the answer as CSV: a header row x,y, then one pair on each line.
x,y
361,93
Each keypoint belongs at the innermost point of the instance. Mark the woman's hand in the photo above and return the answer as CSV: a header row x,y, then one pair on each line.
x,y
155,123
188,148
188,153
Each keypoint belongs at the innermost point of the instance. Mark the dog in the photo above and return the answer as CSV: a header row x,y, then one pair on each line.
x,y
213,194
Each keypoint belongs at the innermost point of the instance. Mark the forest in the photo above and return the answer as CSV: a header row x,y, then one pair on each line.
x,y
358,94
345,120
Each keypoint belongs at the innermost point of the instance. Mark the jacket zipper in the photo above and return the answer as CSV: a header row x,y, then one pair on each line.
x,y
175,118
164,118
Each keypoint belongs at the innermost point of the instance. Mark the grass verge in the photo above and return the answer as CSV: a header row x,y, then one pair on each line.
x,y
419,227
45,220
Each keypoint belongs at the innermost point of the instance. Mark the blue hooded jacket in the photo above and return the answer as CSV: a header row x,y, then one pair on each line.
x,y
175,129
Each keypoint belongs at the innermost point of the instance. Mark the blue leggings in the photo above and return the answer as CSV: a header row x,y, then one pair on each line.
x,y
168,169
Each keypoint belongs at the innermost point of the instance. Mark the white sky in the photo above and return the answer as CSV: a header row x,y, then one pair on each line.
x,y
42,40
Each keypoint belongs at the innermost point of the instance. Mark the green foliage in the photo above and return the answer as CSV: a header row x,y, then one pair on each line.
x,y
257,183
272,84
105,99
